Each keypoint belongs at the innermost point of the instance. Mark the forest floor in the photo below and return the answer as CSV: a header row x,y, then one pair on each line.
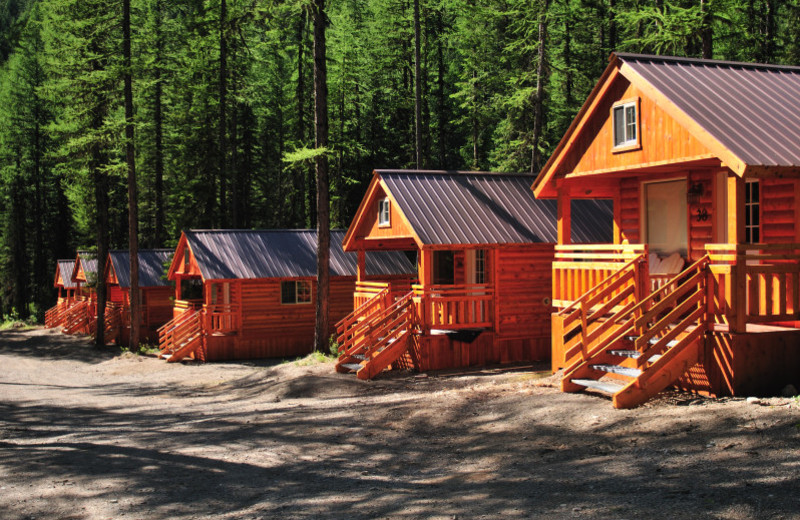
x,y
88,434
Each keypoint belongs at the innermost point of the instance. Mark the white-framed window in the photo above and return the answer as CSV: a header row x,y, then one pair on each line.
x,y
295,292
752,212
384,212
480,266
626,124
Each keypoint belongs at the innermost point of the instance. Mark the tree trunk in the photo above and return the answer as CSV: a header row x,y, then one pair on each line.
x,y
323,203
541,70
133,201
223,120
158,121
417,89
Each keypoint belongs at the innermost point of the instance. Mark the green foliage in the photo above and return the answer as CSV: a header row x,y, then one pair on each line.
x,y
233,146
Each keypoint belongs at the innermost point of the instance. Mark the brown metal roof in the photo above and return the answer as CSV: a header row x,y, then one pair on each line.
x,y
463,208
234,253
753,110
88,262
151,267
65,267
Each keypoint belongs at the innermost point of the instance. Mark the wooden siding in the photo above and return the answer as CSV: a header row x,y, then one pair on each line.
x,y
630,211
779,210
442,353
370,229
523,288
663,139
701,230
270,329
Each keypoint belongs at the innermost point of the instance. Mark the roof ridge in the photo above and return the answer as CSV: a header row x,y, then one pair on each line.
x,y
705,61
256,230
384,171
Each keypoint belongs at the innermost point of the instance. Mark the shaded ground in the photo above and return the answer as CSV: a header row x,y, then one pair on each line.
x,y
86,435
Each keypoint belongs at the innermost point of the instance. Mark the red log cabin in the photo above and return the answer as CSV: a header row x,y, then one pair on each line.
x,y
79,316
484,248
243,294
155,294
69,292
700,287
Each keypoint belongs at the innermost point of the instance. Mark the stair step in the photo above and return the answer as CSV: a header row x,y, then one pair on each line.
x,y
355,367
653,341
602,386
361,357
634,354
616,369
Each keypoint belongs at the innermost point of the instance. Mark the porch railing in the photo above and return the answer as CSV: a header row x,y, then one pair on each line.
x,y
454,306
755,283
578,268
221,318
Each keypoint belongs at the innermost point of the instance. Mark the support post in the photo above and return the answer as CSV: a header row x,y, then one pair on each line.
x,y
737,309
564,217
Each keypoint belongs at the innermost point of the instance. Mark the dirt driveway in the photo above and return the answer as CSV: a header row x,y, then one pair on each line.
x,y
90,435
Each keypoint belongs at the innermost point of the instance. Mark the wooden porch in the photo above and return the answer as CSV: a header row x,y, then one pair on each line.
x,y
733,298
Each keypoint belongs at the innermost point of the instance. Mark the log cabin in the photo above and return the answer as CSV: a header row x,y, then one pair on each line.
x,y
700,287
79,317
243,294
482,293
155,294
69,292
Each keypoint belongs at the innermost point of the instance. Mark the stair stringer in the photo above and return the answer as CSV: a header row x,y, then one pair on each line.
x,y
660,376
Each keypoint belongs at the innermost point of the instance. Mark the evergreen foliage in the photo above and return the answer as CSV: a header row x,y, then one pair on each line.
x,y
224,112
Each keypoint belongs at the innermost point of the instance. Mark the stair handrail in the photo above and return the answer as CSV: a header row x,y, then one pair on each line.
x,y
639,316
178,328
588,294
375,324
350,328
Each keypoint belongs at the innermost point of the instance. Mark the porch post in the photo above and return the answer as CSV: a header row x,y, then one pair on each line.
x,y
564,217
737,296
177,287
361,272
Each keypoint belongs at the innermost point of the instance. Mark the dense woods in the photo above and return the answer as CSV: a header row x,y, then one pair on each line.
x,y
223,110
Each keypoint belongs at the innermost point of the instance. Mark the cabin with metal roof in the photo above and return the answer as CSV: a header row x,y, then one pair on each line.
x,y
700,286
155,293
484,249
69,292
81,314
250,293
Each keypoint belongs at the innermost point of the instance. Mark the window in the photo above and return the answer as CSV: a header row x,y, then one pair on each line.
x,y
383,212
443,268
295,291
752,213
480,266
625,125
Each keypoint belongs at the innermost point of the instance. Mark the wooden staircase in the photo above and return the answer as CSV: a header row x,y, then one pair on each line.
x,y
633,348
54,316
182,337
112,321
375,335
76,318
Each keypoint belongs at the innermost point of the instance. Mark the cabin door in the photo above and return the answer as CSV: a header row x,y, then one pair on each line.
x,y
665,211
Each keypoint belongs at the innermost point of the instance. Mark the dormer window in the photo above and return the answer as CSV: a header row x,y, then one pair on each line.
x,y
626,125
383,212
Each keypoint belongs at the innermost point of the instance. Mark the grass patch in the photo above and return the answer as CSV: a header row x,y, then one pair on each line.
x,y
14,324
314,358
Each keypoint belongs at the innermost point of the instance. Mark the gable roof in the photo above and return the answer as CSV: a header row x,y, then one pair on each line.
x,y
748,114
473,208
64,267
233,253
88,262
151,267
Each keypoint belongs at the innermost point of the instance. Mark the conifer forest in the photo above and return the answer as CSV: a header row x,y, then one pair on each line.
x,y
221,121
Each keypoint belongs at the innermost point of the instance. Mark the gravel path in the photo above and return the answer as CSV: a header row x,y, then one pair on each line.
x,y
89,435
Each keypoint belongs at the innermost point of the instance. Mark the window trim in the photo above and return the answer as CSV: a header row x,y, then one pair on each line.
x,y
384,207
297,284
629,144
